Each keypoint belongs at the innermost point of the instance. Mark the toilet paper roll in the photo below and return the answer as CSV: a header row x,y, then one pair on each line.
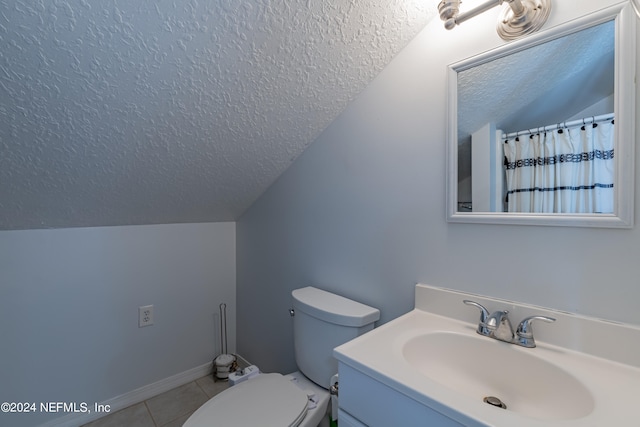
x,y
223,364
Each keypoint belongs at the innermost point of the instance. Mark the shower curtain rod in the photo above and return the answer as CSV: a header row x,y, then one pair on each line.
x,y
563,125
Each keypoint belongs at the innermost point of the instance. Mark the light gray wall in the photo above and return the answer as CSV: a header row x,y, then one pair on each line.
x,y
69,309
362,213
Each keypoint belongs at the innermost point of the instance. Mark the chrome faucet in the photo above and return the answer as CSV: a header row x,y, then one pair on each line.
x,y
525,332
484,315
498,326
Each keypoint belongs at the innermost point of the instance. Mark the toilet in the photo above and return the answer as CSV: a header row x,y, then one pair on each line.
x,y
321,322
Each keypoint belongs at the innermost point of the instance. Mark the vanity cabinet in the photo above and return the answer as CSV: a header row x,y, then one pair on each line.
x,y
365,401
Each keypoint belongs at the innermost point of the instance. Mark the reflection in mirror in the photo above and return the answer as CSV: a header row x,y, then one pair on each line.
x,y
536,129
564,80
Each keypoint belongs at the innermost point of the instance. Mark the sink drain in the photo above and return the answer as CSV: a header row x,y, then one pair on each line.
x,y
494,401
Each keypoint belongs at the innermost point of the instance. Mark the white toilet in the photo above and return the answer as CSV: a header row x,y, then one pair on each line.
x,y
321,321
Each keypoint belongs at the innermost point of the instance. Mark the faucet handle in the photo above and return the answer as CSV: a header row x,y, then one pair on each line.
x,y
484,315
525,330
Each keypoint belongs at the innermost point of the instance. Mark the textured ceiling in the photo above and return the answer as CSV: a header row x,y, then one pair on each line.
x,y
540,86
144,112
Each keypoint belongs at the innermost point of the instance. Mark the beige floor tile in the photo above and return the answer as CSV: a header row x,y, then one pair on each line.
x,y
211,387
170,409
179,422
176,403
133,416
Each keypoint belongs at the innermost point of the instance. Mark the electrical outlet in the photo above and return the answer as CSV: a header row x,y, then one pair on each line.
x,y
145,316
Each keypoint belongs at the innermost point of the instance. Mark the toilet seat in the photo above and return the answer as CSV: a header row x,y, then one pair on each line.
x,y
266,400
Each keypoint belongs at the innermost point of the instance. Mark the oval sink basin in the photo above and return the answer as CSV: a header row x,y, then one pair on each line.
x,y
481,367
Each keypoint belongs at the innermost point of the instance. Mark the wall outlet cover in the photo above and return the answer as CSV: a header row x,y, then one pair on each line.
x,y
145,316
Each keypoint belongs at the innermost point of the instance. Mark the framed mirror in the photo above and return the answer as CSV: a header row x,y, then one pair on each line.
x,y
541,131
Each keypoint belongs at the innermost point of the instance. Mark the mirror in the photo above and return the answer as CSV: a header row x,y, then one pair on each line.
x,y
560,81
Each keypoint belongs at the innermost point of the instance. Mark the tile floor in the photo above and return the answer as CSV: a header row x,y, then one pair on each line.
x,y
169,409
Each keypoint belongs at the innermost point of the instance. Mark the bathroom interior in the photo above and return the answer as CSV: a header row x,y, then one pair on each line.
x,y
190,155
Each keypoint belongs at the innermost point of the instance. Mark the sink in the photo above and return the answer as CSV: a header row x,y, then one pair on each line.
x,y
479,367
437,370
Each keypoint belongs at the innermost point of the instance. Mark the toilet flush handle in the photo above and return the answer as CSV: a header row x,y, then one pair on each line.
x,y
292,312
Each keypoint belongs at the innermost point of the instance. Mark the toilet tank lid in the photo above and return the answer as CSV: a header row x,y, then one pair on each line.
x,y
333,308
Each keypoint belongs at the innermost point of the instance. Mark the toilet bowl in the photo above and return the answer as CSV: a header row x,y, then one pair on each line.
x,y
321,322
266,400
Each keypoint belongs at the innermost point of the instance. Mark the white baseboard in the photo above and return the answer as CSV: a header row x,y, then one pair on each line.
x,y
131,398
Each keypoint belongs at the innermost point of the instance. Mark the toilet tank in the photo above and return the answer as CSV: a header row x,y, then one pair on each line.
x,y
323,321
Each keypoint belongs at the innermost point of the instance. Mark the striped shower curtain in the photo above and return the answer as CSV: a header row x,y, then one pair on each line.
x,y
561,171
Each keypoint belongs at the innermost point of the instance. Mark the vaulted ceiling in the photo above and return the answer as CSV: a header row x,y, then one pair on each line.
x,y
539,86
143,112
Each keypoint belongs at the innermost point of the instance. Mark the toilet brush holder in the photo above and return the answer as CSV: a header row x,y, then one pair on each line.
x,y
224,363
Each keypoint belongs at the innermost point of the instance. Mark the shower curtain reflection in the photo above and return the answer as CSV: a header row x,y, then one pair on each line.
x,y
568,170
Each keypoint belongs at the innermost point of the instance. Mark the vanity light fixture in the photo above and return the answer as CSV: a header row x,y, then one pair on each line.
x,y
521,17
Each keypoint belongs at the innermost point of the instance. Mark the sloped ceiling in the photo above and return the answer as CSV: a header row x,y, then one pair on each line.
x,y
142,112
538,86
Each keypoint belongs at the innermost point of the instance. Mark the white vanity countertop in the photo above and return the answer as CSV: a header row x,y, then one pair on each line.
x,y
614,386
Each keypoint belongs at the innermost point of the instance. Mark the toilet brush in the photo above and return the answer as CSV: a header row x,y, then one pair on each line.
x,y
224,363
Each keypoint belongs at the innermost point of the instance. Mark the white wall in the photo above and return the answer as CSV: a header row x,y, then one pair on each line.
x,y
69,309
362,213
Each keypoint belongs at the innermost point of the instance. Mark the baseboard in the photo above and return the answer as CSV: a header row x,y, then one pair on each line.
x,y
131,398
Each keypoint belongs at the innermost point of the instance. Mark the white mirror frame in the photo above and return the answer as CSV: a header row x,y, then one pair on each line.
x,y
624,109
